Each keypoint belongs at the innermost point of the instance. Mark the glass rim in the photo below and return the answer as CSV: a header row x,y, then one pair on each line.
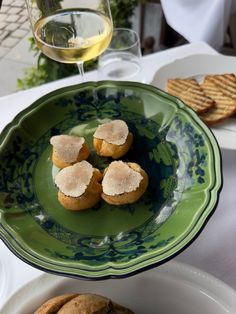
x,y
137,41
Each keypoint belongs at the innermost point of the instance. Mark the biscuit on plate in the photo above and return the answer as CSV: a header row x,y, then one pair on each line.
x,y
79,186
112,139
68,149
225,105
123,183
226,83
191,93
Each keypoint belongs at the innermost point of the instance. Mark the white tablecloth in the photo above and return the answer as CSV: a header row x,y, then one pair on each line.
x,y
199,20
213,251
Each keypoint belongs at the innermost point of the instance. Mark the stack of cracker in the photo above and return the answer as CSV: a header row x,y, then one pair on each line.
x,y
214,100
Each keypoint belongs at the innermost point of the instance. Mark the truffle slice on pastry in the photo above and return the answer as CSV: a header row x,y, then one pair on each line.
x,y
68,149
112,139
79,186
123,183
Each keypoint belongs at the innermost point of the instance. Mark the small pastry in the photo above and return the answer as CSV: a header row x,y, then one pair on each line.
x,y
68,150
112,139
123,183
82,304
79,186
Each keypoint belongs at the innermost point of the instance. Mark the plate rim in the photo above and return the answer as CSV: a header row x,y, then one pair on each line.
x,y
192,57
180,270
140,266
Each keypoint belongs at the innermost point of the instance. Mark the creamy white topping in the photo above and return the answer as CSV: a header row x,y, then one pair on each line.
x,y
120,178
73,180
67,147
114,132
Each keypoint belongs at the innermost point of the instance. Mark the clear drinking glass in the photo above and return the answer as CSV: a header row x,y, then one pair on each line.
x,y
71,31
122,59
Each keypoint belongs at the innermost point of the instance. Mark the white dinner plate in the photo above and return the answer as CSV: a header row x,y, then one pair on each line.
x,y
172,288
197,66
4,280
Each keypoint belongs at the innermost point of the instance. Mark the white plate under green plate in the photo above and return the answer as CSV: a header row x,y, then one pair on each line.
x,y
196,66
173,288
179,153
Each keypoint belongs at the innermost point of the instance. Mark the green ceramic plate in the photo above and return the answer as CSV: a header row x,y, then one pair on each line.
x,y
176,149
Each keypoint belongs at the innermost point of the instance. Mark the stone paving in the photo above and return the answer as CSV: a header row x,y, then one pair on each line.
x,y
14,24
15,56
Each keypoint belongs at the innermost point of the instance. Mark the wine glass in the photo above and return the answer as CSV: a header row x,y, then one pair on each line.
x,y
71,31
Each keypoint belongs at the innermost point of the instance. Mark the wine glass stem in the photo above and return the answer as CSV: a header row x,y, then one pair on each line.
x,y
80,66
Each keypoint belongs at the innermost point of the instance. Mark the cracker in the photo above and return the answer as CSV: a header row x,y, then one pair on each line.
x,y
226,83
225,106
191,93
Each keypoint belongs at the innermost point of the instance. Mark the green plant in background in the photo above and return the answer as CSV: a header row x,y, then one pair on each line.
x,y
122,11
48,70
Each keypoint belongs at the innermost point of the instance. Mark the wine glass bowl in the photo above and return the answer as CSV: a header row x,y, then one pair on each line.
x,y
71,31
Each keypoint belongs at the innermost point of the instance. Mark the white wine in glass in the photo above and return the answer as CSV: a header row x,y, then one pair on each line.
x,y
71,31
